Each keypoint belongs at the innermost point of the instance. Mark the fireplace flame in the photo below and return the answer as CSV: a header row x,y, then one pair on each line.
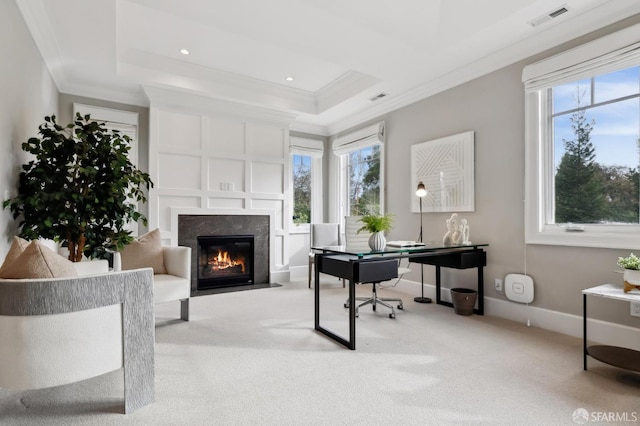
x,y
223,261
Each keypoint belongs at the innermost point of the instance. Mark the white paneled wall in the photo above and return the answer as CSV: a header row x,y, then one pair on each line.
x,y
213,161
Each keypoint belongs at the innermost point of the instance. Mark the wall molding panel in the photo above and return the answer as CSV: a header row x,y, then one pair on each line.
x,y
214,162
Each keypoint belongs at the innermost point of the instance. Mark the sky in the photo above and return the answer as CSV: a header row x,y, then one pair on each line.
x,y
617,125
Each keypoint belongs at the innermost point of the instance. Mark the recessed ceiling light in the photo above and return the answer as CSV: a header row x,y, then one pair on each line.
x,y
289,78
184,51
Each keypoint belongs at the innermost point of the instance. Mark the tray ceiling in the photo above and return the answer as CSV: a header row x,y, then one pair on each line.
x,y
340,53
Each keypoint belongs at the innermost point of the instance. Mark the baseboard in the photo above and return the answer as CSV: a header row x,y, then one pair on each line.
x,y
299,273
279,276
602,332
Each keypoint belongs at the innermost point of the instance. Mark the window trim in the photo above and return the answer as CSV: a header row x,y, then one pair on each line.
x,y
615,51
315,149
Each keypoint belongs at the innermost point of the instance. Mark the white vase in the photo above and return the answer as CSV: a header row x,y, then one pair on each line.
x,y
632,276
377,241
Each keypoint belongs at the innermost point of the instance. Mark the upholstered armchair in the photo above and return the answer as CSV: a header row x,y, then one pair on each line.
x,y
171,268
57,331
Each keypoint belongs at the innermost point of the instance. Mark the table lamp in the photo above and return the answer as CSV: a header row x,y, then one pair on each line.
x,y
420,193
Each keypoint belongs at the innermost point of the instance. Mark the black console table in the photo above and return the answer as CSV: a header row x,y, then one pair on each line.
x,y
458,259
360,264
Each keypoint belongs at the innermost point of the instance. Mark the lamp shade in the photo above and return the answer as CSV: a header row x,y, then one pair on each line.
x,y
421,191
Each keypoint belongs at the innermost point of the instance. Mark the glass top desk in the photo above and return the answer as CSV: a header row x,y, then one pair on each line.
x,y
359,264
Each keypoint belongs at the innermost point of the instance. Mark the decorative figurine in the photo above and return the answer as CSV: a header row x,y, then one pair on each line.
x,y
452,237
465,232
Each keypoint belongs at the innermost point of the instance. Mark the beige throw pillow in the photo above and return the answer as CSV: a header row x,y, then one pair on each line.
x,y
17,247
144,252
38,261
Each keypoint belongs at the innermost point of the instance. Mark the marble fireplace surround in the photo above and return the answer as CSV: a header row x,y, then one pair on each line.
x,y
188,223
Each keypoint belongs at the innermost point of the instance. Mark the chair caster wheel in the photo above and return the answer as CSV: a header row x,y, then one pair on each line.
x,y
374,308
392,316
400,307
346,305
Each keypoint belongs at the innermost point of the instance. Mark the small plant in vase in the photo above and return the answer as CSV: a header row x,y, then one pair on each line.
x,y
631,265
376,225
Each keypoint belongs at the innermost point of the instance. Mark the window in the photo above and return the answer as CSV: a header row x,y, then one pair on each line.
x,y
596,126
301,166
360,172
306,183
582,129
363,183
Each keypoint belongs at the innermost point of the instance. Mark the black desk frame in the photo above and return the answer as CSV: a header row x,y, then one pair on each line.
x,y
460,257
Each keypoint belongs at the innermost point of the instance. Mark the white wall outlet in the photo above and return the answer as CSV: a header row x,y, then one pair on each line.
x,y
498,284
635,309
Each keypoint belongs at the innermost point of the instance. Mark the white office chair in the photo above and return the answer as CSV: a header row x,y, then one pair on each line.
x,y
361,240
323,234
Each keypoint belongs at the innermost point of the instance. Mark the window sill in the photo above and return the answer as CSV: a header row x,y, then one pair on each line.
x,y
587,238
299,229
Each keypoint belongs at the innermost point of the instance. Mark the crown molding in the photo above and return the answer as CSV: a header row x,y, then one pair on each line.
x,y
134,96
184,101
313,129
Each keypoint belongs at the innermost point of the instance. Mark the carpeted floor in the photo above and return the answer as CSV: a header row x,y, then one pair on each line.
x,y
252,358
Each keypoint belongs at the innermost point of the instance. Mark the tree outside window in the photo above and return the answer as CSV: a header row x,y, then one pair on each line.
x,y
301,166
364,181
596,126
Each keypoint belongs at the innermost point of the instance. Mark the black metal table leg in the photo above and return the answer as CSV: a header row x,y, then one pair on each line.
x,y
584,330
316,291
438,285
352,313
351,341
480,310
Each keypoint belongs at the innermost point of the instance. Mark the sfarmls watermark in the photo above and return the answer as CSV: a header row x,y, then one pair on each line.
x,y
582,416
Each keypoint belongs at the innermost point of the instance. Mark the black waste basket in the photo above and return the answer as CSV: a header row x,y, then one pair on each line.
x,y
464,299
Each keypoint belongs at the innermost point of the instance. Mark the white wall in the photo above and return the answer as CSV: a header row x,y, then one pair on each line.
x,y
207,158
28,94
493,107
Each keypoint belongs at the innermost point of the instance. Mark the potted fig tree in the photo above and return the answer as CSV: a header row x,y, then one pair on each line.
x,y
81,189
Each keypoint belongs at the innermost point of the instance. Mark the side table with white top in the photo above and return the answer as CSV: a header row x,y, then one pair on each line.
x,y
626,358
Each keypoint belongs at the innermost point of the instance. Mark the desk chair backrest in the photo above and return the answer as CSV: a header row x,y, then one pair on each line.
x,y
351,235
325,234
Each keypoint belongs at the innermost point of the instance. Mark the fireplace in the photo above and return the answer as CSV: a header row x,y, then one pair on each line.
x,y
225,260
192,226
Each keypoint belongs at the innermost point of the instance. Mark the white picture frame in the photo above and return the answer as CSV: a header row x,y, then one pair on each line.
x,y
446,167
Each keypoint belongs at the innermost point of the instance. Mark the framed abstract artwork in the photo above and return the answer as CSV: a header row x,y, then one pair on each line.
x,y
446,167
